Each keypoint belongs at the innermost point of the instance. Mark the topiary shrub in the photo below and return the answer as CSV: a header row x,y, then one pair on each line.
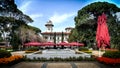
x,y
4,54
112,54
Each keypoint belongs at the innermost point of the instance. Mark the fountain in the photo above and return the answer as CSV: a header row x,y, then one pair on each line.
x,y
59,53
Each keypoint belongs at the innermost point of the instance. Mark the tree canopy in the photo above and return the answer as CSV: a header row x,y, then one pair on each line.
x,y
86,22
12,21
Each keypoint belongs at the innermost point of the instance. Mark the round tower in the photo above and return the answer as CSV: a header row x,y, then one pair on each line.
x,y
49,26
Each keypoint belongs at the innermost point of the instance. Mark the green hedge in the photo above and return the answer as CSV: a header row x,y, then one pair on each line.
x,y
83,49
112,54
4,54
61,59
33,49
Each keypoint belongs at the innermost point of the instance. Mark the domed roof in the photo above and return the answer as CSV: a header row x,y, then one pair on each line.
x,y
68,28
49,23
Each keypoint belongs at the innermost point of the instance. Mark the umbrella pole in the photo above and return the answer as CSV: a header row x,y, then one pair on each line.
x,y
99,52
104,49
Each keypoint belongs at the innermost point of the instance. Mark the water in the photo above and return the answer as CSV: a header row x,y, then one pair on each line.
x,y
58,51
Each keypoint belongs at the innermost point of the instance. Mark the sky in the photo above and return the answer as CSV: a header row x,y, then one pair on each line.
x,y
60,12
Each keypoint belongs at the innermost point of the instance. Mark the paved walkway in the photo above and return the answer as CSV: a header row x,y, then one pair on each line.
x,y
61,65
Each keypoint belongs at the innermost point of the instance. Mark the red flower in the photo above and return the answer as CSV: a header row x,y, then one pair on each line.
x,y
109,60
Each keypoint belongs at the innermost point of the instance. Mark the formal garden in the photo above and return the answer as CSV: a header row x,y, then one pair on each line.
x,y
99,46
110,57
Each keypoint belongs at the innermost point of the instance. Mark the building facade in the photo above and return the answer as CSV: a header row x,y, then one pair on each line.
x,y
55,37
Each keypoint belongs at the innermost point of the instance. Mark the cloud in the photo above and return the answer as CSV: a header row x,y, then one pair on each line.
x,y
24,6
34,16
58,18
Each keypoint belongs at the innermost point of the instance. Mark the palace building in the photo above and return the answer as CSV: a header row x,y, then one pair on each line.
x,y
56,37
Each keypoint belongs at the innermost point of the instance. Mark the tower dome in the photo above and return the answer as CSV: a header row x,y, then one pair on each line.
x,y
68,29
49,26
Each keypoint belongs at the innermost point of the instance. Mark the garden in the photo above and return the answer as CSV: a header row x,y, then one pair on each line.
x,y
110,57
7,59
15,32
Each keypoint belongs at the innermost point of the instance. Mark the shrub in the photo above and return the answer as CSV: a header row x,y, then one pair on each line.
x,y
112,54
4,54
33,49
83,49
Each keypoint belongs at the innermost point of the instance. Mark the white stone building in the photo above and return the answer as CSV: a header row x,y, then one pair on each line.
x,y
56,37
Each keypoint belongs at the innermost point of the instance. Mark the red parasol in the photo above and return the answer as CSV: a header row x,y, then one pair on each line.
x,y
76,44
63,44
33,44
49,44
102,34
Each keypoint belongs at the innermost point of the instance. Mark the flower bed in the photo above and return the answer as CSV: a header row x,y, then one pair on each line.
x,y
89,51
31,50
10,60
79,51
110,57
110,61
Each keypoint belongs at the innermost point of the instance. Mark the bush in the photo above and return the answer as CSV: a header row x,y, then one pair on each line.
x,y
112,54
4,54
33,49
83,49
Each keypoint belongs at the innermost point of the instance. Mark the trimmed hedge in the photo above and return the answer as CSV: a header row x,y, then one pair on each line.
x,y
83,49
61,59
112,54
33,49
4,54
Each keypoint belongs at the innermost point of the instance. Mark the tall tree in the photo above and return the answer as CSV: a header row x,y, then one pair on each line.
x,y
62,37
86,21
11,18
54,37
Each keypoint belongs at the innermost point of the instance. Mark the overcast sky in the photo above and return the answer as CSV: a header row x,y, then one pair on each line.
x,y
60,12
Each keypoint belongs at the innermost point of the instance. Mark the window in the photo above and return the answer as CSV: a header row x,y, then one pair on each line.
x,y
46,37
58,38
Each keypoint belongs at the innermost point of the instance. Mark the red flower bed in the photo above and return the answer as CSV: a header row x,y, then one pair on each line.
x,y
110,61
